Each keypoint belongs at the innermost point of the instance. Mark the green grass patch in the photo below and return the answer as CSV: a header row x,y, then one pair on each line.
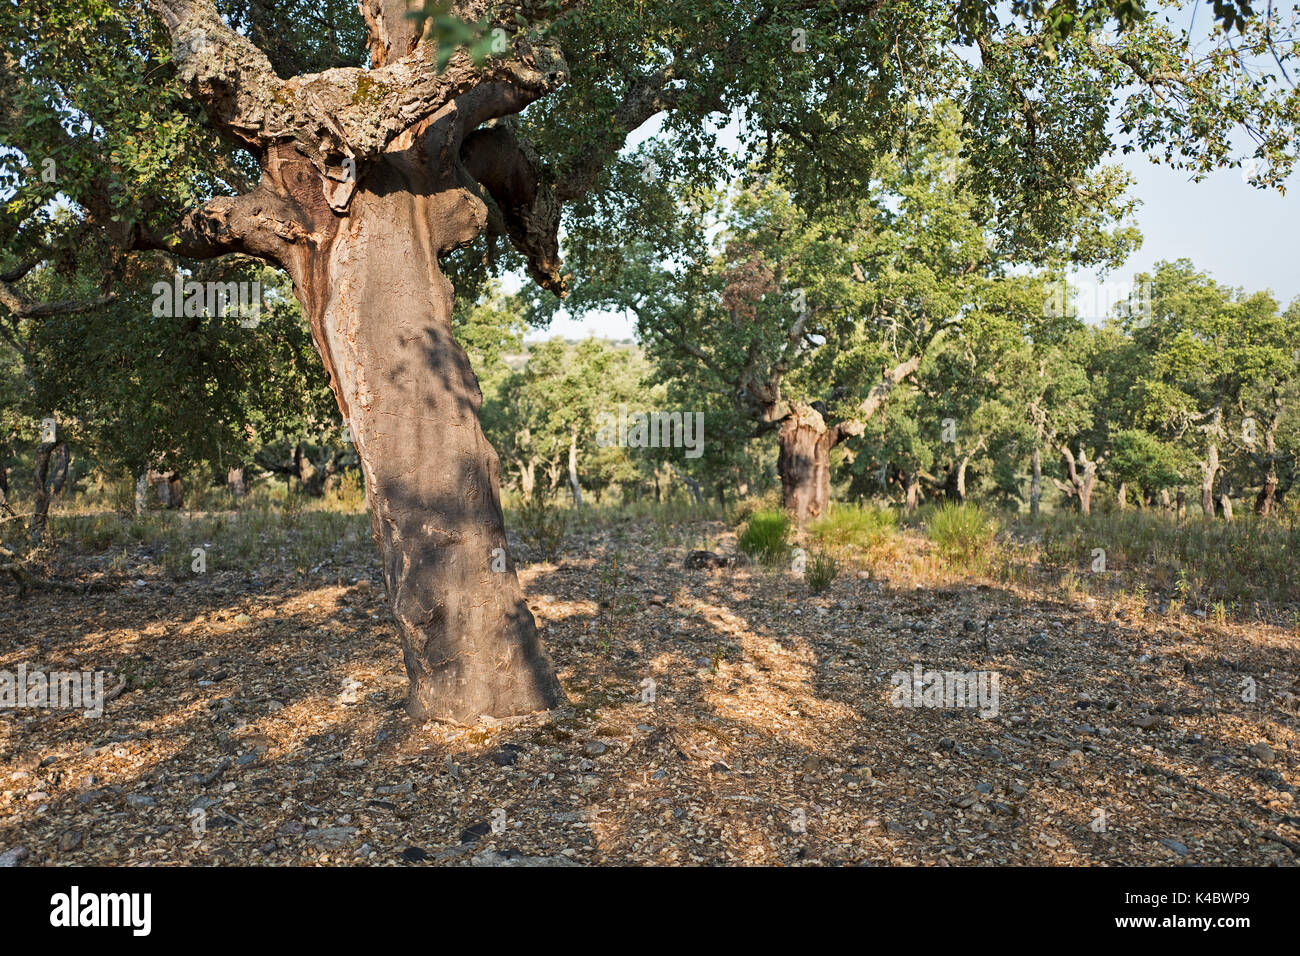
x,y
766,536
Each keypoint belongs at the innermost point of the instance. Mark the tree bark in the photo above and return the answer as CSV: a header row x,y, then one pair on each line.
x,y
39,521
1225,497
574,487
4,481
1209,469
235,482
368,176
1081,484
1121,496
961,479
912,483
1036,482
1181,500
62,461
1267,462
380,312
804,463
141,494
528,477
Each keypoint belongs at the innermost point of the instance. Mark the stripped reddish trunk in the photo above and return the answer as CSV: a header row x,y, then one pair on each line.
x,y
380,312
804,464
368,175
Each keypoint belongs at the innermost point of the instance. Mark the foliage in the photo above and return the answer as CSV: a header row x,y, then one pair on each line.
x,y
821,571
960,531
765,536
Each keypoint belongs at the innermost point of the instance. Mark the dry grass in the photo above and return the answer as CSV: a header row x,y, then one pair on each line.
x,y
770,738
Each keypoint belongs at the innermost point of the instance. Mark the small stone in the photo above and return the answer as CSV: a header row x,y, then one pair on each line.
x,y
513,858
594,748
414,854
1263,752
70,840
13,857
1177,847
330,836
243,619
140,800
390,789
473,834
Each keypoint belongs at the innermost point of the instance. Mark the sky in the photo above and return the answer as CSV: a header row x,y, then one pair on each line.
x,y
1242,236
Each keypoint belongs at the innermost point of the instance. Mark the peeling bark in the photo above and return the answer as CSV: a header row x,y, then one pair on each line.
x,y
804,463
381,318
368,176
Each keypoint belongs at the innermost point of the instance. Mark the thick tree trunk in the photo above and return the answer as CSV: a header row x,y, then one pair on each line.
x,y
912,483
961,479
1225,498
1268,462
1181,503
39,521
235,482
1267,493
528,477
303,468
1081,484
142,494
1085,492
380,312
1121,496
804,463
61,461
1209,469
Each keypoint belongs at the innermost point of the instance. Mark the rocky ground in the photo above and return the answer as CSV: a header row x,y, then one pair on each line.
x,y
717,716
